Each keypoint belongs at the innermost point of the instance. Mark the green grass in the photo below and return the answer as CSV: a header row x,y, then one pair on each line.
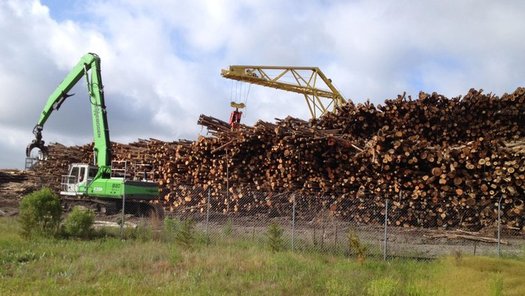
x,y
144,266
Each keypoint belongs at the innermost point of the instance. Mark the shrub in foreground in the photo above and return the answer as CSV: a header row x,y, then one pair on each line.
x,y
40,213
79,223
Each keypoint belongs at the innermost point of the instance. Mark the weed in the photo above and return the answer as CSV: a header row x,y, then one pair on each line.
x,y
175,256
275,237
21,258
355,246
156,226
382,287
337,287
458,257
496,287
143,232
169,229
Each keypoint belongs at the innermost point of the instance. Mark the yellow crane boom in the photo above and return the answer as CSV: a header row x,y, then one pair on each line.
x,y
303,80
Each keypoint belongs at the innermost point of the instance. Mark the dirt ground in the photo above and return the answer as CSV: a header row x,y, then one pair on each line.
x,y
8,207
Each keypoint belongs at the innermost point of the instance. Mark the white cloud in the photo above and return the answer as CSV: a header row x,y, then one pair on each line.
x,y
161,59
385,48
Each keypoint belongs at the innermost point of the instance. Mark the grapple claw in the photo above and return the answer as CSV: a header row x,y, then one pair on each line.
x,y
37,144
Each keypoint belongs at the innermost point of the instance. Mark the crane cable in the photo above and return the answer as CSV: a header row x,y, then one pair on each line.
x,y
246,97
240,94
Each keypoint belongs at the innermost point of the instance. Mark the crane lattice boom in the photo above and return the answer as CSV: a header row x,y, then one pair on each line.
x,y
305,80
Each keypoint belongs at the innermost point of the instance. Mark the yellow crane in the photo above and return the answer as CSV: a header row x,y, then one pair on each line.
x,y
303,80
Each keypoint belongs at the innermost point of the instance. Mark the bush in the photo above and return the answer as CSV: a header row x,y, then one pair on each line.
x,y
40,213
79,223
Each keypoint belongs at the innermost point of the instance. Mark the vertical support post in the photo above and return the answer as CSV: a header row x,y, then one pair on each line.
x,y
385,237
293,223
322,234
499,226
315,235
253,227
123,201
208,205
227,181
336,230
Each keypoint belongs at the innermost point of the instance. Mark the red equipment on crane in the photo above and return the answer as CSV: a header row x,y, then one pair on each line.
x,y
235,116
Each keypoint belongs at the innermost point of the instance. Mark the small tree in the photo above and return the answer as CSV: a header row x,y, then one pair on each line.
x,y
228,228
275,237
79,223
40,213
185,236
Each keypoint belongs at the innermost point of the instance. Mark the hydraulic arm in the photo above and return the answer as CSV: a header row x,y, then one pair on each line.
x,y
102,145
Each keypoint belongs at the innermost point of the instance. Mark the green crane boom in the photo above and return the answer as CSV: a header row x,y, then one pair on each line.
x,y
93,182
102,144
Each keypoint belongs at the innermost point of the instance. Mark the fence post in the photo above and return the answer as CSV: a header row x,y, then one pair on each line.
x,y
322,234
208,217
123,215
293,222
385,237
254,197
335,237
123,201
227,182
499,225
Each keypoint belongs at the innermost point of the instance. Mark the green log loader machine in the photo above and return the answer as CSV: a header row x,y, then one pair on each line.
x,y
96,184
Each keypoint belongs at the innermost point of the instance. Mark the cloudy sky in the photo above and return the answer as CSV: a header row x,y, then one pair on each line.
x,y
161,59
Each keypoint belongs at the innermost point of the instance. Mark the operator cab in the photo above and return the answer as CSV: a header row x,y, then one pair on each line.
x,y
79,176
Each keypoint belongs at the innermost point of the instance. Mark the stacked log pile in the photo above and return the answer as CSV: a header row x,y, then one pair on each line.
x,y
442,162
15,183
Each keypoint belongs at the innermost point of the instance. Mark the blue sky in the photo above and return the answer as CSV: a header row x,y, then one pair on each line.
x,y
161,59
61,10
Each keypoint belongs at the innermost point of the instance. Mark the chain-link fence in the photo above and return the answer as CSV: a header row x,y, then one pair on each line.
x,y
371,226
